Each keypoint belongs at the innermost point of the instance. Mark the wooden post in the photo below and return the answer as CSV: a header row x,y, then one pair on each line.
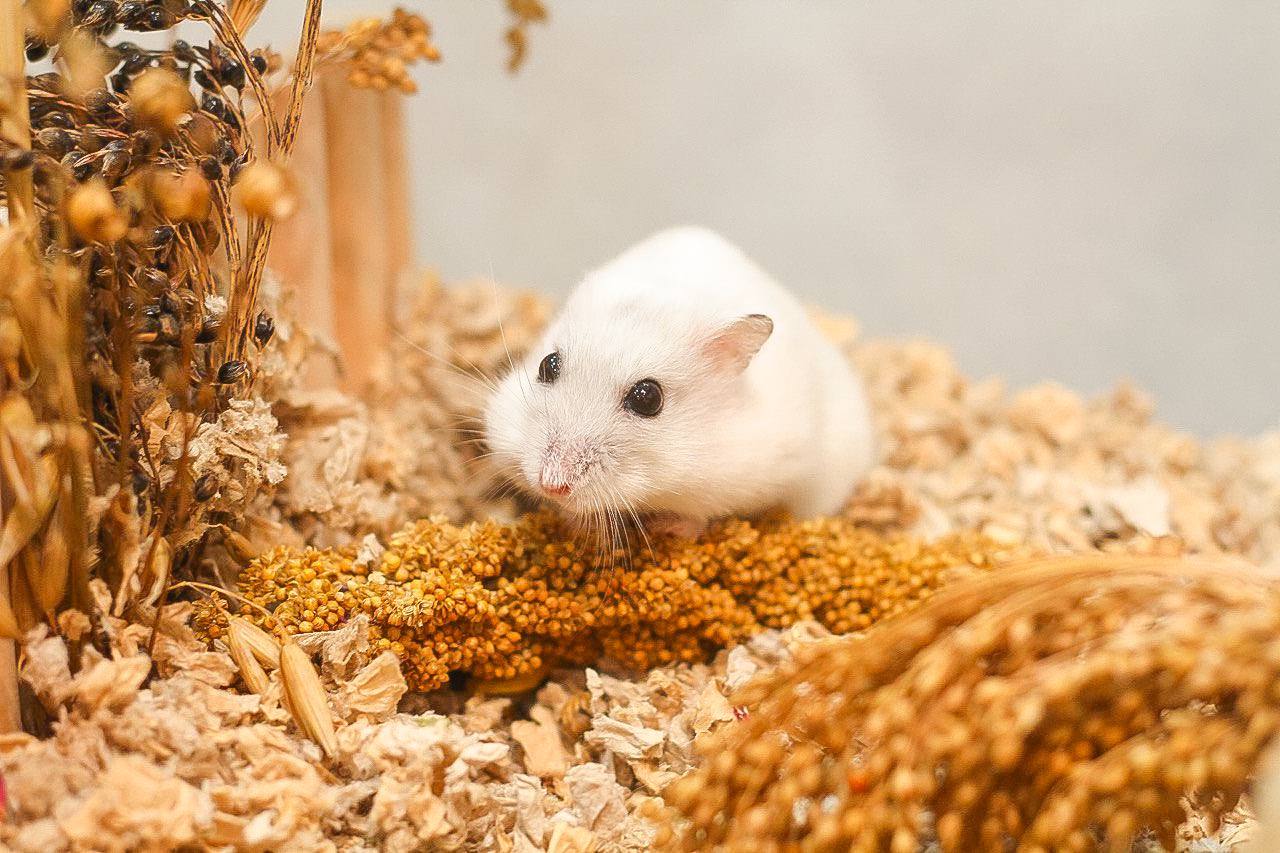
x,y
15,126
346,252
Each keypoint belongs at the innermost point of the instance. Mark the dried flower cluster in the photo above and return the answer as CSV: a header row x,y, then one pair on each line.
x,y
377,53
504,602
1063,705
523,13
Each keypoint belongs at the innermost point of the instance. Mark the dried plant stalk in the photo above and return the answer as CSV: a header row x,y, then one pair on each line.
x,y
244,13
15,123
1039,707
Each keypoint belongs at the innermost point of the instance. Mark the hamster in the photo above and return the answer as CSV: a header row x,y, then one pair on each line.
x,y
681,383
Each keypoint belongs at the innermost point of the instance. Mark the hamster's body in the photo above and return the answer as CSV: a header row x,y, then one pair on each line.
x,y
752,416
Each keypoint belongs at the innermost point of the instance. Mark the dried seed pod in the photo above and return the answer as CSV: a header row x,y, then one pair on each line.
x,y
54,141
159,99
181,196
93,215
261,644
238,644
209,328
266,190
307,700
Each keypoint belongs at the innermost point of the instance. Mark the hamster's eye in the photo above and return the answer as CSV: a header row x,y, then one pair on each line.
x,y
644,398
549,369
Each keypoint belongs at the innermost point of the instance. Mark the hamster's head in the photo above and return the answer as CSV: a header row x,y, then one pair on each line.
x,y
611,419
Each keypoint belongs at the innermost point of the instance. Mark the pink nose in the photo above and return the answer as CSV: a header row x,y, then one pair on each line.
x,y
558,490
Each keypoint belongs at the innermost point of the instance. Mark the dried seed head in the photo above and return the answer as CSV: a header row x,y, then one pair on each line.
x,y
159,99
266,190
93,215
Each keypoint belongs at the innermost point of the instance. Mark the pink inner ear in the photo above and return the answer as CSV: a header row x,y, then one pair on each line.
x,y
733,346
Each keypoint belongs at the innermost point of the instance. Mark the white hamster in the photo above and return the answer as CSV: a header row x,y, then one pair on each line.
x,y
681,382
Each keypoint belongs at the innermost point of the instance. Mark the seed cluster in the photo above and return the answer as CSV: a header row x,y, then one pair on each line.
x,y
1066,704
135,281
504,601
377,53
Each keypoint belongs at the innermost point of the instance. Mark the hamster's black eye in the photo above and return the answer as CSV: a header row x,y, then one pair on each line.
x,y
549,369
644,398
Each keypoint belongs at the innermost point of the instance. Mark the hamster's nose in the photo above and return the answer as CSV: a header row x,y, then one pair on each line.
x,y
556,490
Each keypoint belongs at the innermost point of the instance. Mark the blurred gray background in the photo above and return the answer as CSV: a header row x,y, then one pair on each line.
x,y
1080,191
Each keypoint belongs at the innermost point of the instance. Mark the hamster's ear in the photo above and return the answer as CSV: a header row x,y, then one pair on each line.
x,y
732,346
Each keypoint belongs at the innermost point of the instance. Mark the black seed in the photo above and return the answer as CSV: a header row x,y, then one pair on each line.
x,y
100,15
17,159
114,165
213,105
224,151
209,331
120,82
157,280
157,18
259,63
263,328
205,488
210,168
135,62
141,482
203,80
59,119
232,371
84,167
232,74
36,50
161,236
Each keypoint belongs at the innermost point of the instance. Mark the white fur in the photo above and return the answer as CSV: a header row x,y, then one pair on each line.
x,y
792,430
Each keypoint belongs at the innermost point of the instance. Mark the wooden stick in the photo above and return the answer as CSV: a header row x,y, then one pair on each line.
x,y
15,127
395,175
359,226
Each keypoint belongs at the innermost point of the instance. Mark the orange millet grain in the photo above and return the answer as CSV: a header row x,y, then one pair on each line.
x,y
502,601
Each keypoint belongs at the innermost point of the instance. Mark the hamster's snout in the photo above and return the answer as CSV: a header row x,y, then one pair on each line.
x,y
561,471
